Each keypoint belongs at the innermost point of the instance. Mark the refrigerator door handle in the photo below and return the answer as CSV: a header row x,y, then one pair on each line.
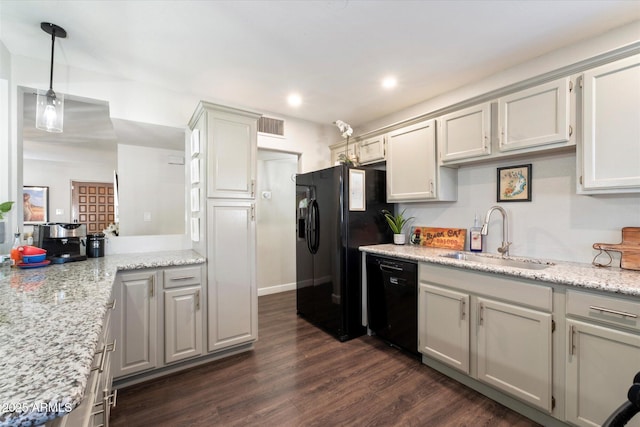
x,y
316,227
307,233
313,236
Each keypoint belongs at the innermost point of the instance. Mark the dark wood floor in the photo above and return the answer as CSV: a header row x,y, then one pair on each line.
x,y
300,376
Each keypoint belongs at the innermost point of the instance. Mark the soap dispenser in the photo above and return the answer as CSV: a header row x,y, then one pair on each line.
x,y
475,236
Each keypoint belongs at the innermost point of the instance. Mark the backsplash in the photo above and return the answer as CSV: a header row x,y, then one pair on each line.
x,y
556,224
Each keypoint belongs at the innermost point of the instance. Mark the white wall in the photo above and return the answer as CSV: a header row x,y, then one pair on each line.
x,y
142,209
276,231
558,223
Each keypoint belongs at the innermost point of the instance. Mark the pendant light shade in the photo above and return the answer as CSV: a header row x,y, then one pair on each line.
x,y
49,105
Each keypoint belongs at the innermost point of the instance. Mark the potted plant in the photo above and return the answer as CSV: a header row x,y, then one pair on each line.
x,y
4,208
396,224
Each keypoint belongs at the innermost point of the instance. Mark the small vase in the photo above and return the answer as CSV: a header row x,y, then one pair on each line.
x,y
399,239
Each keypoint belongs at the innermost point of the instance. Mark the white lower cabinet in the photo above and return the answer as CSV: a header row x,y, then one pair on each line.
x,y
136,322
182,323
514,350
602,355
160,314
232,291
444,326
496,330
99,398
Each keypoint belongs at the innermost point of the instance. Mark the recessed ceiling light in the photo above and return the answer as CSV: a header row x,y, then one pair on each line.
x,y
294,100
389,82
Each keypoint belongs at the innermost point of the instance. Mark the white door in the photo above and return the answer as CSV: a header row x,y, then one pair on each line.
x,y
536,116
135,323
514,351
601,364
443,327
231,155
232,295
611,125
182,323
465,133
411,163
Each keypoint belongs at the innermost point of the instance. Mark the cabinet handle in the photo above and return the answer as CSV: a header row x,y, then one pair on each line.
x,y
111,305
572,345
253,188
183,278
198,300
570,130
462,309
431,186
480,314
610,311
152,287
253,212
103,356
484,143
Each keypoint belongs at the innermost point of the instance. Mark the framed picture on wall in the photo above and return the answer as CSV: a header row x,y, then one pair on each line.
x,y
35,201
514,184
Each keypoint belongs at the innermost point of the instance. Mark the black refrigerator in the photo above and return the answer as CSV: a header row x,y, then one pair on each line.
x,y
337,210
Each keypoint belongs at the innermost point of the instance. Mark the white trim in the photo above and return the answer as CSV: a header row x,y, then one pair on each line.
x,y
276,289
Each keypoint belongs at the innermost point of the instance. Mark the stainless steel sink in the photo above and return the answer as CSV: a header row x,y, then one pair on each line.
x,y
505,262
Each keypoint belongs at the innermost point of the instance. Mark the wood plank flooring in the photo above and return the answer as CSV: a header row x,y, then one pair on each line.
x,y
298,375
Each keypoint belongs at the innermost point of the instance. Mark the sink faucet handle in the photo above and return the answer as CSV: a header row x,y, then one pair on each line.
x,y
504,249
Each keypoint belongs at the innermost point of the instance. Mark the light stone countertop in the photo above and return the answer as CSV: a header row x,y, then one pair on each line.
x,y
580,275
50,323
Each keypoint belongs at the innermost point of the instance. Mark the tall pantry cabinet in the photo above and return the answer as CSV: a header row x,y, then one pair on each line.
x,y
223,224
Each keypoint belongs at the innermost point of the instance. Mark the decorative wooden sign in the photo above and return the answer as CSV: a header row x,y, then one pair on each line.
x,y
433,237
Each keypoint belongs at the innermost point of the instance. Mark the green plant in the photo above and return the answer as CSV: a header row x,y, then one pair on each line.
x,y
4,208
396,222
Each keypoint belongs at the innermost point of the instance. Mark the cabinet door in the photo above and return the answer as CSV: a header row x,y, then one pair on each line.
x,y
514,351
339,152
135,323
232,294
182,323
610,126
466,133
601,364
372,150
231,155
443,327
411,163
536,116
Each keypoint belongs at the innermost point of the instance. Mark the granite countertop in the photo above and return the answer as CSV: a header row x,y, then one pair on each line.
x,y
580,275
50,323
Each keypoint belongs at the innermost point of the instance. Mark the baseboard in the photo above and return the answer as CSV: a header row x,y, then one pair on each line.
x,y
276,289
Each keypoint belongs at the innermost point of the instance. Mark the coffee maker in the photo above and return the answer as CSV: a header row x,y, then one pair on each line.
x,y
63,242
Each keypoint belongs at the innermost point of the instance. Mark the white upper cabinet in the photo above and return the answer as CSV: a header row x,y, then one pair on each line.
x,y
413,174
231,140
465,133
536,116
372,150
610,154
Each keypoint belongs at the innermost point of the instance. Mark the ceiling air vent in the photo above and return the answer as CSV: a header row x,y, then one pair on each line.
x,y
271,126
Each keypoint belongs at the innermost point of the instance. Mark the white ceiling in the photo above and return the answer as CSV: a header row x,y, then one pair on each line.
x,y
334,53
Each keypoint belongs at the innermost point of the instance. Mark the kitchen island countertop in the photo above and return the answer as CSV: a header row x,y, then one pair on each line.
x,y
50,324
580,275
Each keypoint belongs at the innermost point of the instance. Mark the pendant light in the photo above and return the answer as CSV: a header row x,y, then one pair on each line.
x,y
49,106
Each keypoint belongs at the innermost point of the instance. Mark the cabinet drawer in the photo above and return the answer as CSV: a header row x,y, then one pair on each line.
x,y
615,311
177,277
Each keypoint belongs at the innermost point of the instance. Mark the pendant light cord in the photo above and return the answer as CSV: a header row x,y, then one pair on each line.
x,y
53,42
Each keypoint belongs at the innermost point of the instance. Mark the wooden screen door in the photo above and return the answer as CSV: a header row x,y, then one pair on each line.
x,y
92,204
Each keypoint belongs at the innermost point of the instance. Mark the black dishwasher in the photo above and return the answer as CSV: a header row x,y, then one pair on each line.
x,y
392,301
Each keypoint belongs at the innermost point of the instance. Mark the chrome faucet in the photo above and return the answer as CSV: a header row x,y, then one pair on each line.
x,y
504,249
